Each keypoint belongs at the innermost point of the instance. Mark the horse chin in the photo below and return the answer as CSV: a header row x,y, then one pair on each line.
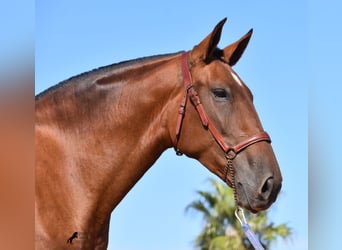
x,y
253,209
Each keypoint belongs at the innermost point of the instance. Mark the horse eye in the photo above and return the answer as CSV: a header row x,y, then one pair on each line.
x,y
220,93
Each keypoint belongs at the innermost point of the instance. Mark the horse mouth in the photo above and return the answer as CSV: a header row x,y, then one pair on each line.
x,y
250,200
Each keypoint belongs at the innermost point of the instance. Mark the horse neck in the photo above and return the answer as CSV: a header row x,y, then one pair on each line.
x,y
113,127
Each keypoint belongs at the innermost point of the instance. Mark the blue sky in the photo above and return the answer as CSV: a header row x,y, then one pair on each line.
x,y
76,36
325,124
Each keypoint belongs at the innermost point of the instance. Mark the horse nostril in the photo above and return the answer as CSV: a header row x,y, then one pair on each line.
x,y
267,188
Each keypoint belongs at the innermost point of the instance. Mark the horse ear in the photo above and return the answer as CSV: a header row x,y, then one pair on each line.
x,y
233,52
205,49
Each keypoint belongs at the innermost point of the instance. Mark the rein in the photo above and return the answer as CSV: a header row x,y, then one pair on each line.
x,y
230,151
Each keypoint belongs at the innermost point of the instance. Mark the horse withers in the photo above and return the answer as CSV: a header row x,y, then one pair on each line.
x,y
97,134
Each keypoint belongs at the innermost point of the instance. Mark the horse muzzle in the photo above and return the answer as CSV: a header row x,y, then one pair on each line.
x,y
260,197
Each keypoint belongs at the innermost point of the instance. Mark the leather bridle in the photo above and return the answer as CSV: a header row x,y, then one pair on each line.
x,y
230,151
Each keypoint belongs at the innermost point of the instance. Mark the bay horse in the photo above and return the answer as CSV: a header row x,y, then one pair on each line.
x,y
96,135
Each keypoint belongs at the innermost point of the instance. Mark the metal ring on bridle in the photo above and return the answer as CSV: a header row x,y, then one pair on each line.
x,y
231,154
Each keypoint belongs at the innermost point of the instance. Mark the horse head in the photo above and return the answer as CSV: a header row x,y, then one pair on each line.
x,y
234,133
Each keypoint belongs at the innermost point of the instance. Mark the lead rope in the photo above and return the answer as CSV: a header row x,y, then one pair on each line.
x,y
253,239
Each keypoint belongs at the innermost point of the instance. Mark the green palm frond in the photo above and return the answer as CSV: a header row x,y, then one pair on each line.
x,y
210,199
221,230
199,207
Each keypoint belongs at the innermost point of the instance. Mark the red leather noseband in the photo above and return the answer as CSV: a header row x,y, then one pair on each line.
x,y
189,91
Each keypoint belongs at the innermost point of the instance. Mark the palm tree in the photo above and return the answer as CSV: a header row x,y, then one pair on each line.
x,y
221,228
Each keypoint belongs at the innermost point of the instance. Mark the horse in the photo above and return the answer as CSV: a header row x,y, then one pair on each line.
x,y
97,133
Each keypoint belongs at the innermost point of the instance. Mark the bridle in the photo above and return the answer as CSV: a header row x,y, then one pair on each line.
x,y
230,151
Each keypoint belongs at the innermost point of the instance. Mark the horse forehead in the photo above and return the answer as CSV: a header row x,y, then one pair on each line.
x,y
223,71
233,75
236,77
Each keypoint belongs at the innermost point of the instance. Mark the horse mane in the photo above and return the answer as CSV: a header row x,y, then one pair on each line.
x,y
100,71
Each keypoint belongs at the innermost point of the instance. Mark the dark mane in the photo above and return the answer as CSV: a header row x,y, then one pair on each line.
x,y
100,71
